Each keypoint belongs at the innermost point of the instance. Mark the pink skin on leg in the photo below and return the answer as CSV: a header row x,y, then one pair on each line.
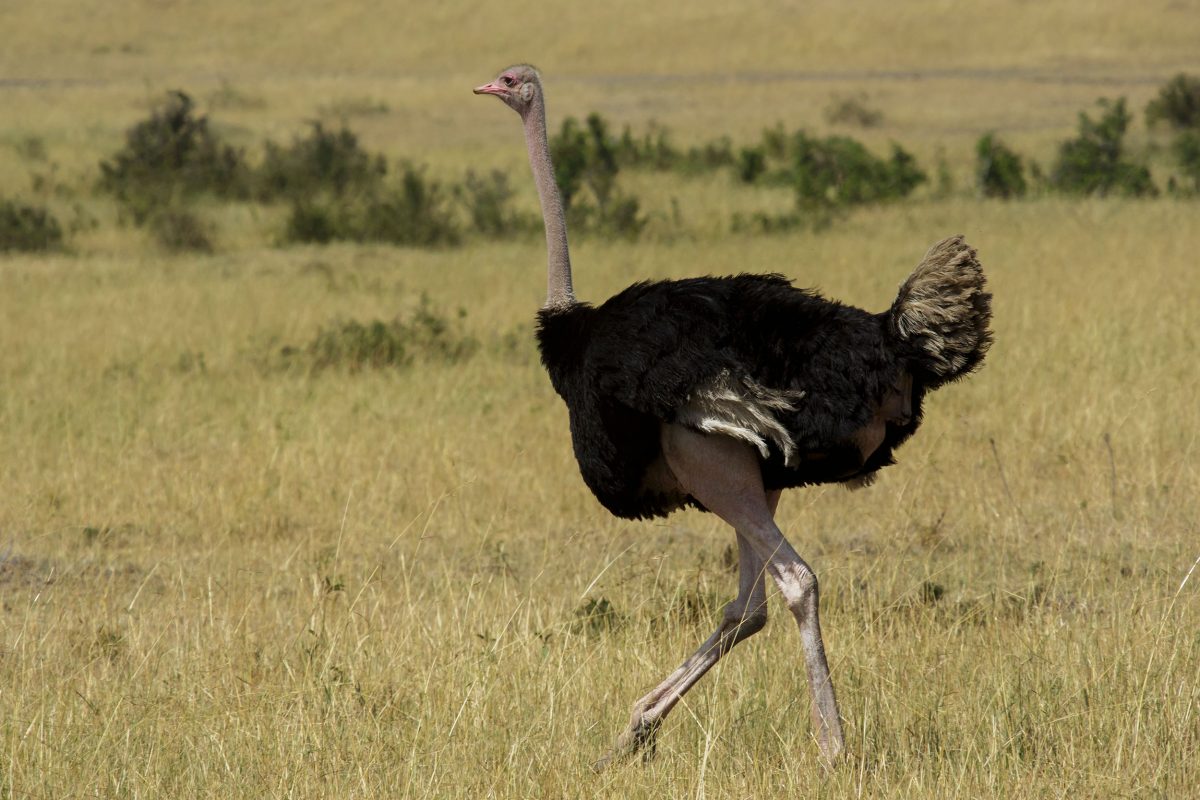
x,y
725,476
742,618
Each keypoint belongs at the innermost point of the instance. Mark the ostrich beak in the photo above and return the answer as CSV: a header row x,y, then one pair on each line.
x,y
491,88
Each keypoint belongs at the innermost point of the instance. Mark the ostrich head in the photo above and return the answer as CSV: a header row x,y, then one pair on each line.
x,y
518,86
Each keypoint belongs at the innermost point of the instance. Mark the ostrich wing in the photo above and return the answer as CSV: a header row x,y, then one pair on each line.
x,y
750,356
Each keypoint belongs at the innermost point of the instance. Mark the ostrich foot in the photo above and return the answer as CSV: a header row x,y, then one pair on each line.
x,y
832,750
639,737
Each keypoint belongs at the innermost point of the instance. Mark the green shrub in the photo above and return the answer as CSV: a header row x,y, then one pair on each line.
x,y
1186,148
488,203
436,336
586,157
356,346
761,222
427,335
707,157
901,175
831,172
998,170
316,222
179,231
1177,104
656,151
852,111
414,212
572,154
776,143
323,161
826,175
653,151
839,171
596,617
28,228
1094,162
752,163
620,215
170,156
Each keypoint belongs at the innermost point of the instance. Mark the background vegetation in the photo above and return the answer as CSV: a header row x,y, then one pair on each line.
x,y
290,509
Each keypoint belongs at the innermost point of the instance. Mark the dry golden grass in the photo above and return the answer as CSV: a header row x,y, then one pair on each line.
x,y
224,579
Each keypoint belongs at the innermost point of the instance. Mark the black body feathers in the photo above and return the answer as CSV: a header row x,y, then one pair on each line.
x,y
641,359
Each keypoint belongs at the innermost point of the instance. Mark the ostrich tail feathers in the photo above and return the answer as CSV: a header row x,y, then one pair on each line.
x,y
942,312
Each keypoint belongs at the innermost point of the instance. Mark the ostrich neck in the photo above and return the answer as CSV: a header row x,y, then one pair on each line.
x,y
559,292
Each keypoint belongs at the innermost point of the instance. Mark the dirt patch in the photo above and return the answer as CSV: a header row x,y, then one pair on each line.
x,y
19,572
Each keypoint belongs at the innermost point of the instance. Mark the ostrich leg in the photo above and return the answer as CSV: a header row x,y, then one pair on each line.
x,y
724,475
742,618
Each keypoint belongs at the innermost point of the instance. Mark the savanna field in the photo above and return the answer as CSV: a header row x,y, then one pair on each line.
x,y
236,561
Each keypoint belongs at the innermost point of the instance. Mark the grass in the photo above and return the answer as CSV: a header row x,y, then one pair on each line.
x,y
225,579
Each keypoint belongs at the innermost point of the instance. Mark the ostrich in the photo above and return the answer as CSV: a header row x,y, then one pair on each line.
x,y
720,392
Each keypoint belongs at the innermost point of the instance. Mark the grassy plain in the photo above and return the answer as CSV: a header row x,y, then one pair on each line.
x,y
225,579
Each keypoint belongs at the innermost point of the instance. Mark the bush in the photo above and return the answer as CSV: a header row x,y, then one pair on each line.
x,y
1177,104
28,228
354,346
852,111
752,162
761,222
653,151
826,174
1094,162
323,161
1187,152
656,151
171,155
488,203
619,215
587,157
316,222
707,157
412,213
583,156
840,171
776,143
181,231
596,617
998,170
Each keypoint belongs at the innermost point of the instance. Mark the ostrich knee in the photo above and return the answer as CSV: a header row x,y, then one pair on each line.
x,y
739,623
798,585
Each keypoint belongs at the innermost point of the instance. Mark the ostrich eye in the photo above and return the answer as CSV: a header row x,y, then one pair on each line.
x,y
507,80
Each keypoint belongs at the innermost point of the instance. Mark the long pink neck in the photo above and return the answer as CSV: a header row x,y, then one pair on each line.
x,y
559,292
